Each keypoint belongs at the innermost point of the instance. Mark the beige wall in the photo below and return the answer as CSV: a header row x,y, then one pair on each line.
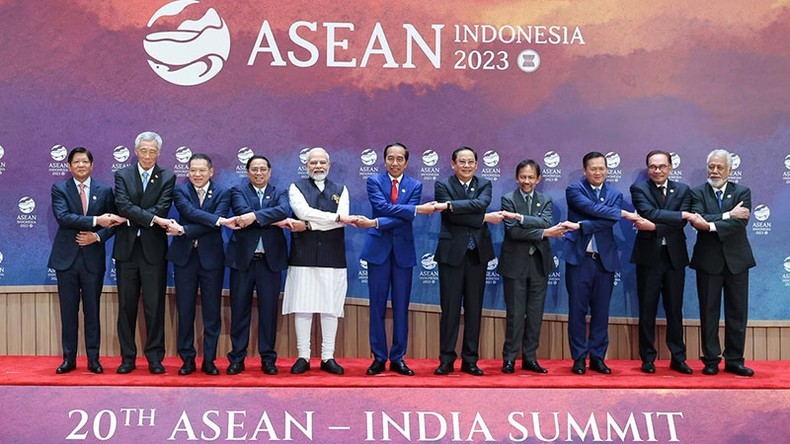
x,y
30,325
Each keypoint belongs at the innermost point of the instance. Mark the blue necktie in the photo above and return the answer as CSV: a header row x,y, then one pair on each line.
x,y
259,247
597,199
470,244
719,193
145,180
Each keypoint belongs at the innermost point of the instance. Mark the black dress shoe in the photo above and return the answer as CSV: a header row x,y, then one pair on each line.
x,y
444,369
300,366
94,366
269,368
508,366
126,367
66,367
209,368
376,367
533,366
740,370
681,367
597,364
710,369
188,368
579,366
648,367
401,368
472,369
156,368
235,368
331,366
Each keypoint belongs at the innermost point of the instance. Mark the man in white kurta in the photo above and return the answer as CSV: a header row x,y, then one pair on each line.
x,y
317,279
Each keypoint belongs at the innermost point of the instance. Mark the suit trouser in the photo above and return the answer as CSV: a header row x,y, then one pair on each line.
x,y
134,275
188,279
736,313
382,278
589,289
74,284
524,300
267,284
459,284
663,282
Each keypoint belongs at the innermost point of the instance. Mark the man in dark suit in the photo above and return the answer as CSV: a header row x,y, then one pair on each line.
x,y
389,252
143,194
84,210
463,253
525,264
199,261
661,258
591,259
722,257
257,255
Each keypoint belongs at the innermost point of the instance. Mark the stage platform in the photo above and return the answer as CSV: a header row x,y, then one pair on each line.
x,y
37,405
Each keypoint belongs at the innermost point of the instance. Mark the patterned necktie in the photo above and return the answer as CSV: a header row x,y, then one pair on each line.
x,y
719,193
470,244
259,247
201,195
83,199
145,180
394,191
663,190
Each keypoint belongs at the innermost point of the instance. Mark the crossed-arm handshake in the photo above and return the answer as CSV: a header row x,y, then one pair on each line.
x,y
106,220
695,219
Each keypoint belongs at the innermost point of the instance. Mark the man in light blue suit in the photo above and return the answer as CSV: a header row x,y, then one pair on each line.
x,y
389,251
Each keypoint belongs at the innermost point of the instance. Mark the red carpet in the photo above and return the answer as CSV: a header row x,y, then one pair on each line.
x,y
38,370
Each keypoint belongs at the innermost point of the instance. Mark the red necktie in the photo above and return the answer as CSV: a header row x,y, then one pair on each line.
x,y
83,199
394,192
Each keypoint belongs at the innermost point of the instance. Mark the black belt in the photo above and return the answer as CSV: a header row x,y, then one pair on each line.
x,y
258,256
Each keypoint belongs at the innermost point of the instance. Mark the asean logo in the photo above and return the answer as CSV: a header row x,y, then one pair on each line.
x,y
191,54
736,161
368,157
183,154
491,158
492,264
120,153
244,154
427,261
762,213
551,159
27,205
58,153
303,155
430,157
675,157
787,264
612,160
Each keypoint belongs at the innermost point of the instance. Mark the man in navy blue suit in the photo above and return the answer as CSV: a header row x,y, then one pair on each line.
x,y
84,210
661,258
591,258
199,260
389,252
722,258
257,255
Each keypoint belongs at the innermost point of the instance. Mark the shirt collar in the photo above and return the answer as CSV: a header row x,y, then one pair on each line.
x,y
140,170
87,182
399,178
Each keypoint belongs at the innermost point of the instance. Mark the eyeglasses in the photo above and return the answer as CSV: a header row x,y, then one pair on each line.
x,y
658,167
259,170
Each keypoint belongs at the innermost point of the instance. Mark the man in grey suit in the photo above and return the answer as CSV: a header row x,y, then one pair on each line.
x,y
722,257
525,264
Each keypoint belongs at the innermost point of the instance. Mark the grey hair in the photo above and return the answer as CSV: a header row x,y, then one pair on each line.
x,y
318,149
720,153
148,136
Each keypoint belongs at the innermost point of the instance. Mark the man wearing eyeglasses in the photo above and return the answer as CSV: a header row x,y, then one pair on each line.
x,y
661,258
722,257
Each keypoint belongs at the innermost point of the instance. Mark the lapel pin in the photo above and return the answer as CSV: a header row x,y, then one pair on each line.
x,y
403,190
94,197
672,190
729,196
537,204
268,197
472,190
602,199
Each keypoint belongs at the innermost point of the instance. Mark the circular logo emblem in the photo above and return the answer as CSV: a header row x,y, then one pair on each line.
x,y
27,205
787,264
427,261
675,160
492,264
429,158
244,154
528,60
551,159
192,53
303,155
363,263
787,158
1,257
368,157
612,160
762,212
2,152
183,154
491,158
120,153
736,161
58,153
556,261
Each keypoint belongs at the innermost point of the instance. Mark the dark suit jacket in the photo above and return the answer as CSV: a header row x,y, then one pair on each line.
x,y
466,217
669,222
394,233
140,208
242,244
200,224
67,207
728,245
520,236
595,217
